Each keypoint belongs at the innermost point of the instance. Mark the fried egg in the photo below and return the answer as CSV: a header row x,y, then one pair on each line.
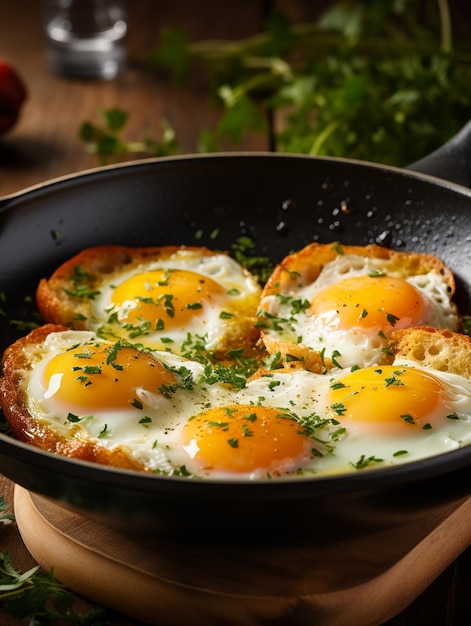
x,y
343,307
269,430
150,410
111,395
159,409
343,422
167,298
394,414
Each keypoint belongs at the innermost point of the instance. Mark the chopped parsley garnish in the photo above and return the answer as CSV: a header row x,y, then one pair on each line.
x,y
244,253
234,369
376,273
273,361
246,432
225,315
267,320
334,356
251,417
82,282
113,353
92,369
103,432
394,380
338,407
84,379
71,417
293,274
365,461
222,425
392,319
137,404
168,305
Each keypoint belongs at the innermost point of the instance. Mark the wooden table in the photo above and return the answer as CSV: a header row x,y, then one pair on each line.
x,y
45,145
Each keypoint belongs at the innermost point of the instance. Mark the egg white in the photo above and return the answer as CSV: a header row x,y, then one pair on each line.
x,y
355,346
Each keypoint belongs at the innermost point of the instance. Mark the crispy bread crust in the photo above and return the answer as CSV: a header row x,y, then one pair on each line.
x,y
434,348
303,267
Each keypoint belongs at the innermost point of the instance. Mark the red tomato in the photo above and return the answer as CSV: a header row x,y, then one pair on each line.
x,y
12,95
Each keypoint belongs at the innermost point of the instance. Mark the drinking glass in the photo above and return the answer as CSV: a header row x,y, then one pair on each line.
x,y
86,38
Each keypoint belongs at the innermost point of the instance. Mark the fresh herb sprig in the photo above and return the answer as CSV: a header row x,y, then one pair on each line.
x,y
367,80
37,595
40,597
106,139
5,518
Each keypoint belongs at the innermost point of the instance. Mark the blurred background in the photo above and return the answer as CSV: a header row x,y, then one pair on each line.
x,y
379,80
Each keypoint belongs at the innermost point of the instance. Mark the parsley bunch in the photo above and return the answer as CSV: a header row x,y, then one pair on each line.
x,y
368,80
39,596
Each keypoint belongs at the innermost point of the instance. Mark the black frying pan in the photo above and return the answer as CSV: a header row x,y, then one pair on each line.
x,y
282,202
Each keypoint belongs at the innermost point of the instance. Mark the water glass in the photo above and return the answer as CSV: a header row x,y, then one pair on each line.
x,y
86,38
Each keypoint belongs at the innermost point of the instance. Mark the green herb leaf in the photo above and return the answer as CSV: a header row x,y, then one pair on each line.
x,y
36,595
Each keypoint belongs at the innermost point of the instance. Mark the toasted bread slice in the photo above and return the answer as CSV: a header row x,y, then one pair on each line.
x,y
18,361
66,297
292,326
434,348
221,312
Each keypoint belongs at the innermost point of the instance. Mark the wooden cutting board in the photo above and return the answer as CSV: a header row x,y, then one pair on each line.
x,y
169,583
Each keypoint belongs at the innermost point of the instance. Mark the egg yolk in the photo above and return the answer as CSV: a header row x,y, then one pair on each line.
x,y
165,298
94,376
369,302
390,398
246,439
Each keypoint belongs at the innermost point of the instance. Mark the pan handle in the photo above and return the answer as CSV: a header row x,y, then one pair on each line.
x,y
452,161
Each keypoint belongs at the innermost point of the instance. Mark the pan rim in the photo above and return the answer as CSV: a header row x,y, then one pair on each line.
x,y
404,474
7,199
